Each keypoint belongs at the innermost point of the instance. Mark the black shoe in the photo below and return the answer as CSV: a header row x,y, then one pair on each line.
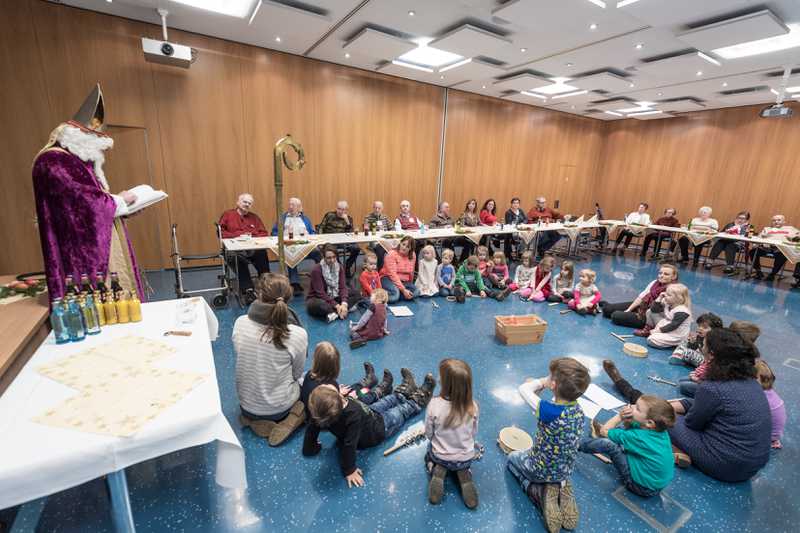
x,y
728,270
758,275
504,294
408,386
770,277
356,344
384,388
249,296
369,380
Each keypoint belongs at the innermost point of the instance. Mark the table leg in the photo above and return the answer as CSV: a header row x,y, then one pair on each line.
x,y
120,502
28,516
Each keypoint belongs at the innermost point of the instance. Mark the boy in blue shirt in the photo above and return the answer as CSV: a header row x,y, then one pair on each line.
x,y
641,451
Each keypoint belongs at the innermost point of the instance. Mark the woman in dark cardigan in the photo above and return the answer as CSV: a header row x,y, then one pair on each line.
x,y
634,314
725,429
328,297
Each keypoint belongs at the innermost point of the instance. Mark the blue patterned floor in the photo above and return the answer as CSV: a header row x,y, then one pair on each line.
x,y
291,493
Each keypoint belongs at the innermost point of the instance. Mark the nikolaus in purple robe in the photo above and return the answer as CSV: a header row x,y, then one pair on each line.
x,y
79,224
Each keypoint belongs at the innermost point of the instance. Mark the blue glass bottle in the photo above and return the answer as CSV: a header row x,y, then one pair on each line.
x,y
58,322
74,320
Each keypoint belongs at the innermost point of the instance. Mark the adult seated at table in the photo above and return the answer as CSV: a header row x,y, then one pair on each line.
x,y
377,221
703,223
777,232
658,236
297,224
740,226
488,217
468,219
398,271
540,212
635,314
514,216
726,429
328,296
639,217
406,220
270,356
340,222
235,223
442,219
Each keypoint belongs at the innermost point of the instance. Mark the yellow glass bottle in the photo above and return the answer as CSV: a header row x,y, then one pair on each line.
x,y
135,308
101,310
123,314
109,309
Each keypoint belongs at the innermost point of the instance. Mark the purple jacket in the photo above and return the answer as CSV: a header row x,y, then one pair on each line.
x,y
318,287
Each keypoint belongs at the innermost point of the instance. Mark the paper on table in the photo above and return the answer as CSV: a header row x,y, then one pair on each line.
x,y
590,409
401,310
602,398
145,197
526,390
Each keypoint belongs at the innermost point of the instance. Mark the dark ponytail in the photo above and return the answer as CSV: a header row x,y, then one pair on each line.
x,y
732,356
275,291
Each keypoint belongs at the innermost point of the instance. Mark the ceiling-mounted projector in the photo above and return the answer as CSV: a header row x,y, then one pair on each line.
x,y
776,110
165,52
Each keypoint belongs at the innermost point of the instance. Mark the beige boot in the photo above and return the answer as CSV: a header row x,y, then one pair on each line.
x,y
262,428
287,426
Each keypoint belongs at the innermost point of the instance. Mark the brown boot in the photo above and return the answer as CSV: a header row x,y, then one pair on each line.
x,y
287,426
436,485
469,492
611,370
569,507
262,428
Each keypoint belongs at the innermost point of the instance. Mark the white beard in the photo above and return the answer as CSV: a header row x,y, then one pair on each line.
x,y
87,147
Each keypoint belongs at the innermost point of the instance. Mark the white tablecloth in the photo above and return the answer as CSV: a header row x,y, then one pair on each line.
x,y
38,460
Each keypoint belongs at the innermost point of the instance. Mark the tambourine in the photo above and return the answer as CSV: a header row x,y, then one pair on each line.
x,y
513,439
634,350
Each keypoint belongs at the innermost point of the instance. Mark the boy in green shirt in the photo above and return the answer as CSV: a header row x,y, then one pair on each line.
x,y
641,450
469,280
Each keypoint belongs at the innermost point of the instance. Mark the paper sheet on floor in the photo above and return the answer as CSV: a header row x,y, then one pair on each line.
x,y
602,398
590,409
401,310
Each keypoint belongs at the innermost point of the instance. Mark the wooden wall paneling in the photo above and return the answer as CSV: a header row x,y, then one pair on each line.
x,y
28,122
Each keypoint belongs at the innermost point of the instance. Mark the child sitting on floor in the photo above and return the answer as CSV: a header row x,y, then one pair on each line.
x,y
426,272
484,264
523,275
370,278
359,426
541,279
446,273
677,322
544,469
499,277
451,424
563,283
586,295
469,281
690,351
374,323
777,408
641,451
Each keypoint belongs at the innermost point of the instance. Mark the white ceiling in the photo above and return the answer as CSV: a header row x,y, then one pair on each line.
x,y
644,51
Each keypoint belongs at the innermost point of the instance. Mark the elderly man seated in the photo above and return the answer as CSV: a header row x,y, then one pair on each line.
x,y
235,223
777,232
296,223
547,239
377,221
340,222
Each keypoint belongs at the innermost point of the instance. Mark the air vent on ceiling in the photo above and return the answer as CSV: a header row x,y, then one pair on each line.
x,y
301,6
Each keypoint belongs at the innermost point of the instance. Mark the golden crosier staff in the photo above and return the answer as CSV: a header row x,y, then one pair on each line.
x,y
280,160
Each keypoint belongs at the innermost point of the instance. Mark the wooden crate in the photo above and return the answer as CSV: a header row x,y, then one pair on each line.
x,y
519,329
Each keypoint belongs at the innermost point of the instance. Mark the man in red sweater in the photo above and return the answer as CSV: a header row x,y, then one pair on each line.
x,y
547,239
237,222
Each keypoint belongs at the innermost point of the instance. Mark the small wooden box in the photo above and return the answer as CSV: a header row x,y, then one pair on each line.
x,y
521,329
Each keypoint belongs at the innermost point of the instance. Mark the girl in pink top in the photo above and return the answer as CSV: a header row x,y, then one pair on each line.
x,y
776,406
586,294
398,271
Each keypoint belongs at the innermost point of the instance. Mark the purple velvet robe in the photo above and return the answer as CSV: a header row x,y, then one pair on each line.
x,y
76,220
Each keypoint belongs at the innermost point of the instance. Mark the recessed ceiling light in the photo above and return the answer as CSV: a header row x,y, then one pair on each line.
x,y
572,107
569,64
639,46
556,88
660,94
592,26
699,72
632,85
526,93
483,86
795,89
762,46
347,55
411,65
109,1
233,8
441,77
429,56
523,50
277,39
613,113
411,13
724,83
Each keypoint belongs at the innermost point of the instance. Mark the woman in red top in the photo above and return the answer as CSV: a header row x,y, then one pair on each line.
x,y
397,274
489,213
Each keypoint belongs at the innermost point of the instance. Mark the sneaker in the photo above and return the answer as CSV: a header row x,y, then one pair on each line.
x,y
568,505
545,497
331,317
469,492
436,485
287,426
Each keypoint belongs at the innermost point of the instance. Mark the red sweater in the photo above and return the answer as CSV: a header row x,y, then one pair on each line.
x,y
233,224
534,214
399,268
369,282
487,219
537,279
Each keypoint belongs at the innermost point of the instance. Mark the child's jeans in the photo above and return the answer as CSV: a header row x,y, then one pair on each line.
x,y
394,292
616,453
685,355
687,387
444,291
431,459
395,410
518,464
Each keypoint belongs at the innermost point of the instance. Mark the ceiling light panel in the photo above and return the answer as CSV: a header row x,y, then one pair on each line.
x,y
666,13
762,96
613,105
524,99
681,106
233,8
469,41
430,56
522,82
378,45
604,81
556,88
747,28
788,41
651,115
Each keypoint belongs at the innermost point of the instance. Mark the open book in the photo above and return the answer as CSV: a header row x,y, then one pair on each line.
x,y
145,197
